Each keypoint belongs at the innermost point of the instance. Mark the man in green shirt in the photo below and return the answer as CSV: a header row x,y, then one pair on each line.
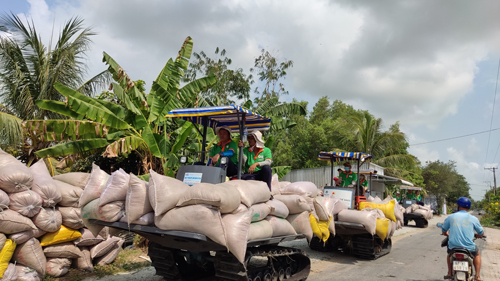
x,y
225,148
347,177
257,159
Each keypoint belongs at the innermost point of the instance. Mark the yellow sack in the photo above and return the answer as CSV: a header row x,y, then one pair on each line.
x,y
387,208
64,234
320,229
382,228
6,255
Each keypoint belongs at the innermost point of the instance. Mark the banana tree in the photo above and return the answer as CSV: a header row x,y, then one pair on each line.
x,y
137,123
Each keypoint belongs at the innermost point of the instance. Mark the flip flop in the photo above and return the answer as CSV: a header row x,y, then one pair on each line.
x,y
478,279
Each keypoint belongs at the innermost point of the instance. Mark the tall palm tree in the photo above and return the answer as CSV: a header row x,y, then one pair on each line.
x,y
364,133
29,69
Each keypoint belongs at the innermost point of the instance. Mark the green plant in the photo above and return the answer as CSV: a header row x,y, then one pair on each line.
x,y
137,123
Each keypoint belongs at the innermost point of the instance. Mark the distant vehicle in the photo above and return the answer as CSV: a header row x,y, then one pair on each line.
x,y
481,212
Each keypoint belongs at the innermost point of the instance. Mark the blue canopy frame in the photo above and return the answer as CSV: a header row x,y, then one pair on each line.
x,y
233,116
335,157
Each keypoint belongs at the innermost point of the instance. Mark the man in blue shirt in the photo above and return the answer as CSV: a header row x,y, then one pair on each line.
x,y
460,227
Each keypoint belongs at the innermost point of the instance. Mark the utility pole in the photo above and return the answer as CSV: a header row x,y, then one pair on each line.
x,y
494,179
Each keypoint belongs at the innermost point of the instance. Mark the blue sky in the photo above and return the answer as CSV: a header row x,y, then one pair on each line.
x,y
431,65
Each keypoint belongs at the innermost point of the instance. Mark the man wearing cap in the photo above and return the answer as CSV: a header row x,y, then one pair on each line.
x,y
225,148
347,176
257,159
364,183
398,196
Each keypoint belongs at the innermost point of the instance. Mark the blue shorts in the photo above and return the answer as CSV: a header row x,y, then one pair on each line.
x,y
473,253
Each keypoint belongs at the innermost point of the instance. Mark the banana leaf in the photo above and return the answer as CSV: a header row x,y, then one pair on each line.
x,y
64,130
281,170
72,147
123,145
58,107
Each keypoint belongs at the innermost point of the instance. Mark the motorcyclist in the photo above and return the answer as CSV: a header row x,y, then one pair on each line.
x,y
460,227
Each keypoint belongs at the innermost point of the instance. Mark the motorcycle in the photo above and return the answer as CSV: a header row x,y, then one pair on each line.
x,y
461,260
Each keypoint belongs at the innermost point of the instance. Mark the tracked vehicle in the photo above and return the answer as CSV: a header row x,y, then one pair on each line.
x,y
420,220
180,255
350,238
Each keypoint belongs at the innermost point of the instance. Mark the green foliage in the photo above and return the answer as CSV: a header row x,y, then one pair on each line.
x,y
130,120
231,84
270,70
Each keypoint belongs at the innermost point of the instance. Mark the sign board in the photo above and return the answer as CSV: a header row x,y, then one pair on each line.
x,y
192,178
346,195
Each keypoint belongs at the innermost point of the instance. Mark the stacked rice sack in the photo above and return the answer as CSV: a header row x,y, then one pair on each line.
x,y
41,227
381,218
425,210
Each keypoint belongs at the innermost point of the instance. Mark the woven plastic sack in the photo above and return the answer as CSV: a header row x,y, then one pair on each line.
x,y
283,184
116,188
94,187
87,239
326,205
278,209
320,228
62,250
48,219
147,219
6,254
281,227
275,185
303,188
110,256
367,219
21,237
331,227
31,254
387,208
296,204
382,229
237,226
203,219
164,192
25,273
392,228
71,217
57,267
26,203
300,222
44,185
310,202
63,235
14,176
3,238
260,230
84,262
260,211
104,247
70,194
12,222
77,179
222,195
338,205
110,212
4,200
10,274
251,192
137,200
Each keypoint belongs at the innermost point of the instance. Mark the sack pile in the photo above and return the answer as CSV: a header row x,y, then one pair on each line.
x,y
41,226
425,210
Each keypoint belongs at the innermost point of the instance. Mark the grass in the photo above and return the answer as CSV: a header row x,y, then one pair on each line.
x,y
490,221
127,260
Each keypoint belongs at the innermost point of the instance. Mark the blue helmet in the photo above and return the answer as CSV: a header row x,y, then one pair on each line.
x,y
464,202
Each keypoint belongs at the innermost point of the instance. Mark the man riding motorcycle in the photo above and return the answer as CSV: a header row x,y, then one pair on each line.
x,y
460,227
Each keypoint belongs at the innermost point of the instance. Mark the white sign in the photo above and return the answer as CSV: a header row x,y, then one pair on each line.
x,y
192,178
344,195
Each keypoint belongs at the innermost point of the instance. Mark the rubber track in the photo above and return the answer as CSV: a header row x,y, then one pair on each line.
x,y
280,259
369,248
